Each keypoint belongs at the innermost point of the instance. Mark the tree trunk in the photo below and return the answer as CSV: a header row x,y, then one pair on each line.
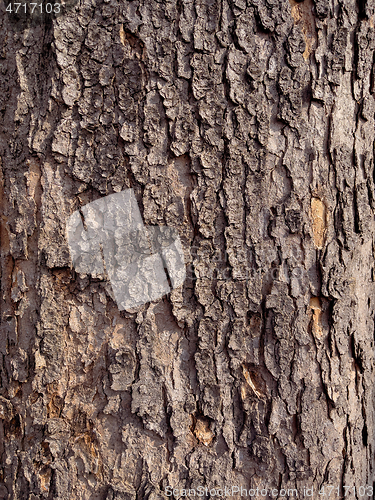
x,y
248,126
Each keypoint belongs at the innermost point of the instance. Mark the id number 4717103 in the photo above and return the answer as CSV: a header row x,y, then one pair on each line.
x,y
33,8
361,491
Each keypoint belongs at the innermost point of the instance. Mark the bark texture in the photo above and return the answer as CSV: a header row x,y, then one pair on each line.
x,y
247,125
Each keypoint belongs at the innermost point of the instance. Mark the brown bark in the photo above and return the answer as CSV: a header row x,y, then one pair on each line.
x,y
249,127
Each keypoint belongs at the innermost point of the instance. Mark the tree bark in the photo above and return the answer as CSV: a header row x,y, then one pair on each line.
x,y
248,126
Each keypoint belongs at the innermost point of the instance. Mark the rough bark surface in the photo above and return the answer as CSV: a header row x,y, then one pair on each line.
x,y
249,127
